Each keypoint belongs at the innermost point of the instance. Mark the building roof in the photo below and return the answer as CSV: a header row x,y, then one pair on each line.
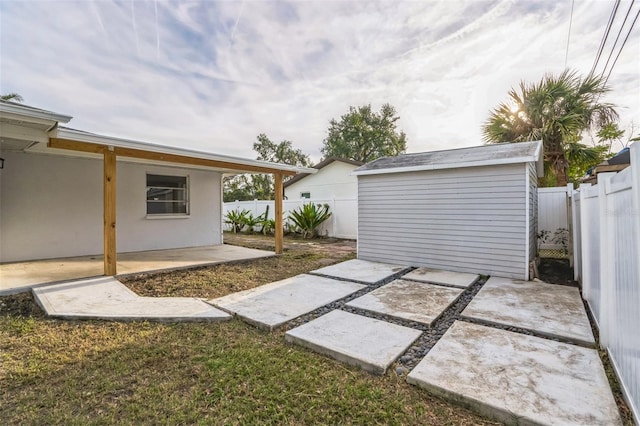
x,y
66,133
319,166
8,108
484,155
30,129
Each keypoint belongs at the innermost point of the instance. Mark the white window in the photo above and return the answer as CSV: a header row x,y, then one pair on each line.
x,y
167,195
305,195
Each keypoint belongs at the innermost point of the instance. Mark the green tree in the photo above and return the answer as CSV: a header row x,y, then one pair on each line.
x,y
364,135
13,97
282,152
555,110
260,186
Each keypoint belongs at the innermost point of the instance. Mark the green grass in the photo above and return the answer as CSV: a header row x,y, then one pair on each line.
x,y
93,372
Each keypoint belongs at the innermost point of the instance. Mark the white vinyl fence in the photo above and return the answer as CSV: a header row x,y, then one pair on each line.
x,y
552,216
343,222
606,240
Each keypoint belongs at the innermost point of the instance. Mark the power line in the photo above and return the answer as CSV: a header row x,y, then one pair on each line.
x,y
605,36
617,37
566,55
622,46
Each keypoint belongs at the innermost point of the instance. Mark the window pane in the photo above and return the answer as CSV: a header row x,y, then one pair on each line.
x,y
167,181
166,207
158,194
167,195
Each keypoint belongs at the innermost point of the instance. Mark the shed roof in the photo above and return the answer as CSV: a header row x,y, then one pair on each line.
x,y
484,155
319,166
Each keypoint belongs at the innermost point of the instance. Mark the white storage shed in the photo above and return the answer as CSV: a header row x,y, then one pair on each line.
x,y
467,210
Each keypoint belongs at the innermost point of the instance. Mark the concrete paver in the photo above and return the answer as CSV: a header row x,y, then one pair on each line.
x,y
22,276
356,340
360,271
438,276
409,300
518,379
271,305
107,298
548,309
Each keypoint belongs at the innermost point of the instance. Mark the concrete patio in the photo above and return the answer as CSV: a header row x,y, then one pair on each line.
x,y
518,379
408,300
271,305
22,276
549,310
107,298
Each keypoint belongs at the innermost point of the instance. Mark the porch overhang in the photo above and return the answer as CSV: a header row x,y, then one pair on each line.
x,y
110,149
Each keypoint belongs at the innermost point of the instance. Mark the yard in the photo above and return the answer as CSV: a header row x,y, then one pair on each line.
x,y
78,372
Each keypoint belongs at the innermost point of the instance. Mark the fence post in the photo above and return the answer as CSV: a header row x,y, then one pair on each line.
x,y
586,242
570,246
575,235
333,210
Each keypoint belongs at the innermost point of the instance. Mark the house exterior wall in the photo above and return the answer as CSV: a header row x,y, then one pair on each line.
x,y
332,181
51,206
467,219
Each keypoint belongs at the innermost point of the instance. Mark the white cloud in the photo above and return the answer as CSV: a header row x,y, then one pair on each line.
x,y
212,75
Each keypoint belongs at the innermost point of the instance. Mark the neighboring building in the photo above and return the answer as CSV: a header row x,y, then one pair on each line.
x,y
618,162
61,190
468,210
333,180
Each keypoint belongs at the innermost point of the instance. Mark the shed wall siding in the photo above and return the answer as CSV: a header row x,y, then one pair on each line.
x,y
51,206
469,220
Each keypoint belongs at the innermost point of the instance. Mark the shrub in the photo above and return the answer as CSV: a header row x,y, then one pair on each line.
x,y
309,217
236,219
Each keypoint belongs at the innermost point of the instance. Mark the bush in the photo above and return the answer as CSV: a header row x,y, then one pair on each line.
x,y
309,217
236,219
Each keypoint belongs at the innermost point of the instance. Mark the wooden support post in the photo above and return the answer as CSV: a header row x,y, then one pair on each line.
x,y
278,213
109,206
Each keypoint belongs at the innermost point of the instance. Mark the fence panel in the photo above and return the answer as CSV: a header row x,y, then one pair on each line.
x,y
552,218
609,221
342,224
590,230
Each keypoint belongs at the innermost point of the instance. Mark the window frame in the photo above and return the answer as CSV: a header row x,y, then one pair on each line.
x,y
186,194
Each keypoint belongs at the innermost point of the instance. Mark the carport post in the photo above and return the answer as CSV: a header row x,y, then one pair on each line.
x,y
109,206
279,231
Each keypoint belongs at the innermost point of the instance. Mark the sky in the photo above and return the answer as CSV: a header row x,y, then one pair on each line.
x,y
212,75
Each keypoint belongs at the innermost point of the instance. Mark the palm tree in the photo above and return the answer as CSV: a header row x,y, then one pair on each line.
x,y
556,110
14,97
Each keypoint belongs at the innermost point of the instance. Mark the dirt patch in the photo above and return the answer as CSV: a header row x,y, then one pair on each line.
x,y
556,271
326,246
219,280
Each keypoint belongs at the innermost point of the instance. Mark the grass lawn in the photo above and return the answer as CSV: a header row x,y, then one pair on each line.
x,y
98,372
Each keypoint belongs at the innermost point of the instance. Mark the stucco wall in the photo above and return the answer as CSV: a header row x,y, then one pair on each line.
x,y
51,206
332,181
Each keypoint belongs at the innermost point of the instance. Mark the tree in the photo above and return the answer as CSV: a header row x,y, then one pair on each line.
x,y
13,97
364,135
282,152
260,186
556,110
